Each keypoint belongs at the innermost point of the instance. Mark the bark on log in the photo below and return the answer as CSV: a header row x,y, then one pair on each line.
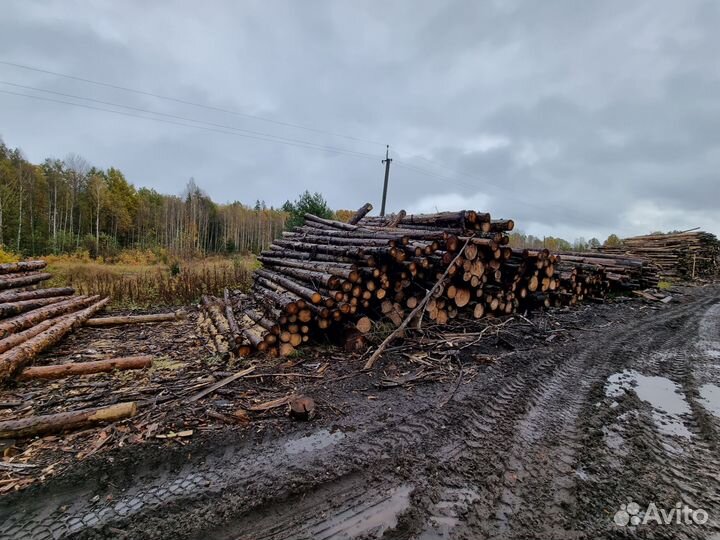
x,y
66,421
344,270
26,320
361,213
263,321
24,281
85,368
15,296
9,309
292,286
230,315
26,266
396,219
18,357
136,319
14,340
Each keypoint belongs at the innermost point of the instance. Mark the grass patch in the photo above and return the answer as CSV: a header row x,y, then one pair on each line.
x,y
664,285
150,283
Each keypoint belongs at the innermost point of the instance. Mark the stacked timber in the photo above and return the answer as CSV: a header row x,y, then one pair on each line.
x,y
683,255
336,280
33,319
618,272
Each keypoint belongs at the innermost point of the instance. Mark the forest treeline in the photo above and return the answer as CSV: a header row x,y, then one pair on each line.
x,y
63,206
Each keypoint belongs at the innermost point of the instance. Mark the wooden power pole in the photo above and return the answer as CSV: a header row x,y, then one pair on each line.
x,y
386,161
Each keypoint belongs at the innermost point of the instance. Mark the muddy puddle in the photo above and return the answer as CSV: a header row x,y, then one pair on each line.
x,y
710,398
665,397
317,441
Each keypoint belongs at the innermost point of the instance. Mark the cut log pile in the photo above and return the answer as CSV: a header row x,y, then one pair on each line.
x,y
683,255
32,319
330,279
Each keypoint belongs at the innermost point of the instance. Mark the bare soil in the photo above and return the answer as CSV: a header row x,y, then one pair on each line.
x,y
537,428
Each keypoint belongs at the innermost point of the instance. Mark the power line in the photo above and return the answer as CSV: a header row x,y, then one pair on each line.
x,y
186,102
222,128
184,118
275,140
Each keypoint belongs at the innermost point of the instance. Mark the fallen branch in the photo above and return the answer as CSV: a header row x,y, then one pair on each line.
x,y
273,404
220,384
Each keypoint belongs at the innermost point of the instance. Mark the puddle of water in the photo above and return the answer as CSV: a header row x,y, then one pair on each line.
x,y
710,398
316,441
377,517
663,394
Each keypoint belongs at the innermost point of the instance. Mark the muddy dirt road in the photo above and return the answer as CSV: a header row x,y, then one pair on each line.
x,y
621,407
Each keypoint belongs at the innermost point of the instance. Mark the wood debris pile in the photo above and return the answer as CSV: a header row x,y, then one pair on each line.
x,y
682,255
330,279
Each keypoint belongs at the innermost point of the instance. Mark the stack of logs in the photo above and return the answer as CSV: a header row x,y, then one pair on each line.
x,y
683,255
329,279
32,319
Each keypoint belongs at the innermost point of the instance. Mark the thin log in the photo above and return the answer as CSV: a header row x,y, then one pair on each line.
x,y
85,368
230,315
24,281
15,296
66,421
221,383
14,360
344,270
292,286
263,321
23,266
9,309
396,219
136,319
361,213
26,320
331,223
285,300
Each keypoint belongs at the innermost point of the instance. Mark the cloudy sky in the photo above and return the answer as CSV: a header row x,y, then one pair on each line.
x,y
573,118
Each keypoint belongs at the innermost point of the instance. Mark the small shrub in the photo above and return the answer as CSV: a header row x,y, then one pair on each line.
x,y
7,256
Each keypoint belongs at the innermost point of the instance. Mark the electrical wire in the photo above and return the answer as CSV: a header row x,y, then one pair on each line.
x,y
186,102
232,130
182,118
275,140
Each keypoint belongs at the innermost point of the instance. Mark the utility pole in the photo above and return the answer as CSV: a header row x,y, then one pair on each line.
x,y
386,161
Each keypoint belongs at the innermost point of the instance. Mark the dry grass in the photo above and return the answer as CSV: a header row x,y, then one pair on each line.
x,y
151,283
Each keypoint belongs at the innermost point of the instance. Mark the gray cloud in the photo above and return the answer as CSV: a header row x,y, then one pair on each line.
x,y
577,119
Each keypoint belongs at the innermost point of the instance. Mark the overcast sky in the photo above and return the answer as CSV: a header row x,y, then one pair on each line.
x,y
573,118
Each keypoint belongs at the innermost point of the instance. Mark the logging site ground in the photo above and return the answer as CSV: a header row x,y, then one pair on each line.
x,y
576,422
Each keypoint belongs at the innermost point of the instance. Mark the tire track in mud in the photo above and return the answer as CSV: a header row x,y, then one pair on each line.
x,y
655,465
505,447
539,471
